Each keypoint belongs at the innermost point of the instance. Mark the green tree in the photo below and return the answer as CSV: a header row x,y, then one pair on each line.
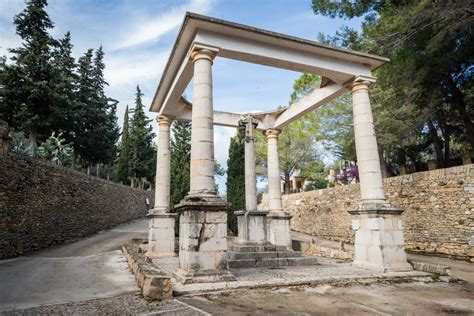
x,y
123,164
142,152
29,86
180,160
65,77
97,136
236,178
422,97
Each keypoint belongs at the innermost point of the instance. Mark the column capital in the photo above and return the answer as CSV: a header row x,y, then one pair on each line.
x,y
272,133
361,82
199,51
164,120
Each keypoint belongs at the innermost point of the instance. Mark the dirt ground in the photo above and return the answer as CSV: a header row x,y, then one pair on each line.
x,y
401,299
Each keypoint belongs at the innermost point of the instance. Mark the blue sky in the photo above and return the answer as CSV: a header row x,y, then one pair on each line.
x,y
137,37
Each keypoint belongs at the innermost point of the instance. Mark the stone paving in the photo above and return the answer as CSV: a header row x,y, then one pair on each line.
x,y
328,272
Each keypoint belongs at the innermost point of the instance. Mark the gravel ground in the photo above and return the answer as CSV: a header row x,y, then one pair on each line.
x,y
130,304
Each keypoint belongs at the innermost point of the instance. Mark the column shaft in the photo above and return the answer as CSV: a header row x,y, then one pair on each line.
x,y
202,132
250,174
370,174
163,161
274,182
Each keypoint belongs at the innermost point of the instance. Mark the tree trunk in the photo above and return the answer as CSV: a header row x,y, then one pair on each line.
x,y
436,143
32,141
97,170
383,165
108,173
286,185
88,170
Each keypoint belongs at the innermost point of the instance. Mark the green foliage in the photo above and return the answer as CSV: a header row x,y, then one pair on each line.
x,y
236,178
28,94
44,90
56,150
180,160
422,103
19,145
142,152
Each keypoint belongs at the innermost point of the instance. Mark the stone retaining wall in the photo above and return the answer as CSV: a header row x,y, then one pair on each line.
x,y
438,217
42,204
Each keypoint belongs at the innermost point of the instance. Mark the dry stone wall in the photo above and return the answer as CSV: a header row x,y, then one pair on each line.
x,y
438,217
42,205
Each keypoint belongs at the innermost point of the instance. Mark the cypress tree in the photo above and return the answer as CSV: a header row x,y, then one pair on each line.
x,y
236,178
123,165
142,152
65,88
29,85
180,160
96,139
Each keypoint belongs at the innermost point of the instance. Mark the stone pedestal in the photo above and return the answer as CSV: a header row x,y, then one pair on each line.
x,y
279,229
379,243
252,227
161,235
202,240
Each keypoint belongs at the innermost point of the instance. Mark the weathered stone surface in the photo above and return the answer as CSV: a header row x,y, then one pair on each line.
x,y
154,283
438,217
42,205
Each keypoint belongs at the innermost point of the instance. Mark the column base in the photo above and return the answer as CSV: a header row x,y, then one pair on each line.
x,y
161,234
279,229
379,243
202,239
252,227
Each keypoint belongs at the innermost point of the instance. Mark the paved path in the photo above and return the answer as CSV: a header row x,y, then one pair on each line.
x,y
86,269
460,269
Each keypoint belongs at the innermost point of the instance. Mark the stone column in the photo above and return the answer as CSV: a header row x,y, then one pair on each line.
x,y
378,229
202,134
161,223
278,222
252,224
203,221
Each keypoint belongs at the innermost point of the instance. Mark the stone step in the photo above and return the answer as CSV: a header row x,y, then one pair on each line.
x,y
254,248
271,262
264,254
241,263
252,255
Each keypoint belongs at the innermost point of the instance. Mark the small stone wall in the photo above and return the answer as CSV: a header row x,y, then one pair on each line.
x,y
42,205
438,217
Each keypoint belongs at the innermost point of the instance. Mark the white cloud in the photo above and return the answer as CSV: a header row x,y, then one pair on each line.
x,y
124,69
155,27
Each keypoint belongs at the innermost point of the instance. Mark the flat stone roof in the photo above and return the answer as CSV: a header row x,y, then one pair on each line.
x,y
208,31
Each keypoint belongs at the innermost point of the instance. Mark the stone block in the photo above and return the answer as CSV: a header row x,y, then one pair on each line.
x,y
216,217
303,261
241,264
272,262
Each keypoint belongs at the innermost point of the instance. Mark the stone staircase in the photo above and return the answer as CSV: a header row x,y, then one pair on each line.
x,y
247,256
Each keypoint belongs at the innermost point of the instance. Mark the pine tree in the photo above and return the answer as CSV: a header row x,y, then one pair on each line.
x,y
29,85
236,178
142,152
180,160
123,165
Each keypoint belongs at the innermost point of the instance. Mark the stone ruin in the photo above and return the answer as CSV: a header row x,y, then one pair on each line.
x,y
204,255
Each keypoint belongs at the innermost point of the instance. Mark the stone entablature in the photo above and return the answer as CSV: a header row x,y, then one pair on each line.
x,y
438,217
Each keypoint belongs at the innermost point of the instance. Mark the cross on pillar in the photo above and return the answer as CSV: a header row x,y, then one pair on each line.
x,y
252,224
